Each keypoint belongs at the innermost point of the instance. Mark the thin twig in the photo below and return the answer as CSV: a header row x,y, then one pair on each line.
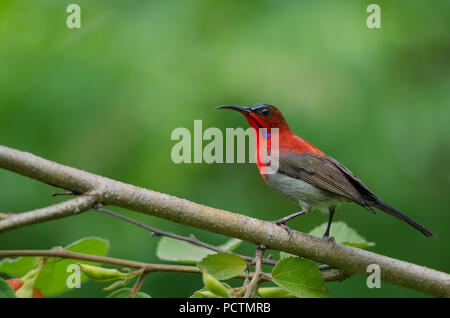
x,y
191,239
325,267
146,267
335,276
138,284
257,274
63,193
255,290
70,207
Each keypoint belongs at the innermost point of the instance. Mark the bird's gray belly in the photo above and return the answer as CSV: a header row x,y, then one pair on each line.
x,y
303,193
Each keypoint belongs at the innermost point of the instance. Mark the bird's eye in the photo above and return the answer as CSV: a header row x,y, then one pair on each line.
x,y
265,112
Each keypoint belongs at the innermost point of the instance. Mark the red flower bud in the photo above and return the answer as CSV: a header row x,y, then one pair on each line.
x,y
37,293
15,283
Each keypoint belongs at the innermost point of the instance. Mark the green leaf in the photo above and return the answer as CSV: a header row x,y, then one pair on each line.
x,y
197,293
125,293
52,279
284,254
170,249
223,265
101,274
215,286
274,292
116,285
231,244
299,277
343,234
5,290
204,294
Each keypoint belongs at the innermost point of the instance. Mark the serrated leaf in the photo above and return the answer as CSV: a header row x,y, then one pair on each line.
x,y
299,277
125,293
170,249
223,265
343,234
52,279
5,290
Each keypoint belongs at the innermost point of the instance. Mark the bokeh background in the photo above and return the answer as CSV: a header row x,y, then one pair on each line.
x,y
105,98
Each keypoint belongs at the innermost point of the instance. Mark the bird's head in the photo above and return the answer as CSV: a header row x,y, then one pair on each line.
x,y
261,116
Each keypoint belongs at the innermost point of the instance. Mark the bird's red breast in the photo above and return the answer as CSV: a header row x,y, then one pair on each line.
x,y
288,142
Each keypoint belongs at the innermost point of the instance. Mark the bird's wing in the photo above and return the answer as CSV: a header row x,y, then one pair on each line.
x,y
322,173
362,188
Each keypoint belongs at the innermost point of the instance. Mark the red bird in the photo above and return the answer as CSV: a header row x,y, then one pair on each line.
x,y
308,176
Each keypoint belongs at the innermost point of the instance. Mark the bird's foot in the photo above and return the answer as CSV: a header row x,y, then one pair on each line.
x,y
329,238
284,226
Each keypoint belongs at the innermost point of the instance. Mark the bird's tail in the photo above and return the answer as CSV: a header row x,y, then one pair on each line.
x,y
399,215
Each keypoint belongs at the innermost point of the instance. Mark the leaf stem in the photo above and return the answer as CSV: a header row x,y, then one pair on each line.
x,y
138,284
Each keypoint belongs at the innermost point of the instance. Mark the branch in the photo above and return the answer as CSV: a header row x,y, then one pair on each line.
x,y
106,191
70,207
253,284
4,215
145,267
191,239
138,284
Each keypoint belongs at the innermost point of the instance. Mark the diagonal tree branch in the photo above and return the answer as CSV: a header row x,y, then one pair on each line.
x,y
70,207
106,191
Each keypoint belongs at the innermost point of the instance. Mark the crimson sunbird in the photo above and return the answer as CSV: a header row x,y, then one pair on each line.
x,y
308,176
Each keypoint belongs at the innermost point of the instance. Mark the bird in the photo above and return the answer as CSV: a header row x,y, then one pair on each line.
x,y
308,176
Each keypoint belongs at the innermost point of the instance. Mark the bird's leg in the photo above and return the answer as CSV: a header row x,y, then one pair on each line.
x,y
289,217
281,222
326,235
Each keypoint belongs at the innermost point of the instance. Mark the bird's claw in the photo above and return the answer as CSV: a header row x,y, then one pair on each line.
x,y
284,226
329,239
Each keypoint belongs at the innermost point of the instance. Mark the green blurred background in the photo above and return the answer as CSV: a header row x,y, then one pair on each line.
x,y
105,98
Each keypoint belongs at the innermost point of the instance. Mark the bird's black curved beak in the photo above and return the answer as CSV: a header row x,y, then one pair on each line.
x,y
240,109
